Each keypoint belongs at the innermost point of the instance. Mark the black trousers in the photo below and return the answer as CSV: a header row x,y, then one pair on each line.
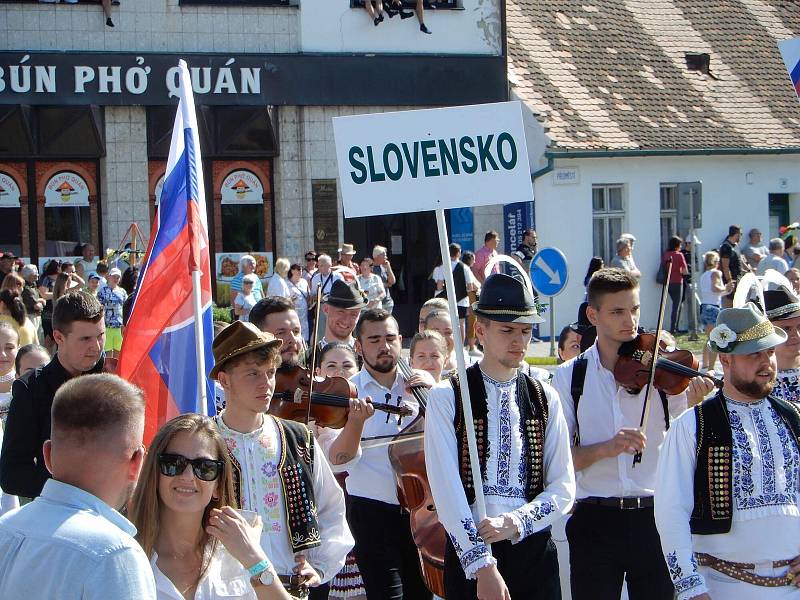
x,y
529,568
607,545
675,291
385,551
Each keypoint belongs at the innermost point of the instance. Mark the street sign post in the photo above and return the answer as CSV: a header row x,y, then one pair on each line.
x,y
549,275
431,160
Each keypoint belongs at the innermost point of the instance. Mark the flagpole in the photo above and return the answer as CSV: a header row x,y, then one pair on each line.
x,y
466,403
198,342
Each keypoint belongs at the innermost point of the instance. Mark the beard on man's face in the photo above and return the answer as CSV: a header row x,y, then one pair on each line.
x,y
752,389
385,362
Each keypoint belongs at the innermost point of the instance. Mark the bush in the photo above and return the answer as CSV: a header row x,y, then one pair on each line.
x,y
222,313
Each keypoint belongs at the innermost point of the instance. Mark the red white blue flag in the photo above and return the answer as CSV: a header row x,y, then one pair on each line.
x,y
159,349
790,50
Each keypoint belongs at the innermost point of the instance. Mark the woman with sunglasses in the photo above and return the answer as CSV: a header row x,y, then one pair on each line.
x,y
199,547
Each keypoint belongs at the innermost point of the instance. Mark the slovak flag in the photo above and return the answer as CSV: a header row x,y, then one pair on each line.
x,y
790,50
159,351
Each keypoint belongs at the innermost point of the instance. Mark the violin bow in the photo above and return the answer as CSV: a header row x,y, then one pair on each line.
x,y
637,458
314,350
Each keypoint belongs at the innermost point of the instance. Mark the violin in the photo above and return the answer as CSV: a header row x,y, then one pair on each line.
x,y
414,492
330,398
674,368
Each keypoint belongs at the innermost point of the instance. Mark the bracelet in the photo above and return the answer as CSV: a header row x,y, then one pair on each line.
x,y
259,567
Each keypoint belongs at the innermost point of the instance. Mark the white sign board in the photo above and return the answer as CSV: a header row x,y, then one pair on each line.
x,y
418,160
9,191
242,187
66,189
790,50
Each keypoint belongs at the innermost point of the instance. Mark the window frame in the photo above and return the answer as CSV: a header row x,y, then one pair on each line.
x,y
606,215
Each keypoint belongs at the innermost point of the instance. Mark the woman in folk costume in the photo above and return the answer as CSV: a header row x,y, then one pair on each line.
x,y
727,506
523,450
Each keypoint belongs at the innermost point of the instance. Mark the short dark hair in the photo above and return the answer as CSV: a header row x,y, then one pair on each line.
x,y
52,267
87,408
528,232
76,306
265,354
101,268
267,306
674,243
455,249
562,337
373,315
609,281
330,346
733,230
490,235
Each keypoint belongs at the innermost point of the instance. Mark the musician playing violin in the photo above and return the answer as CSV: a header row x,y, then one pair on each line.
x,y
384,549
523,450
279,471
612,534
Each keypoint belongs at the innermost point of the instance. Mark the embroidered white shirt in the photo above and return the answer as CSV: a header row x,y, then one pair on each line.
x,y
258,454
504,486
787,385
604,409
370,474
766,491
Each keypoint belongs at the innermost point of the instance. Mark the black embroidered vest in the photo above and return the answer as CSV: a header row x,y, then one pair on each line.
x,y
533,414
295,470
713,476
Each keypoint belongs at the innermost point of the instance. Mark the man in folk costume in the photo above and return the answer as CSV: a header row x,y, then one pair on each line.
x,y
727,504
783,310
523,449
278,471
612,533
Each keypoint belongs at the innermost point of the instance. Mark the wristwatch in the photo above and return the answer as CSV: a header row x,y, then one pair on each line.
x,y
264,578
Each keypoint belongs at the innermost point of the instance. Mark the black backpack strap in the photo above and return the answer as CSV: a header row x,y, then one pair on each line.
x,y
576,389
665,406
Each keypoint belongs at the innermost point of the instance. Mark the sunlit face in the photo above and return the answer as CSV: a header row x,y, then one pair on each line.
x,y
248,385
617,317
428,356
67,268
365,266
113,281
32,360
753,375
380,344
341,321
248,267
185,493
93,284
286,327
9,344
504,342
88,252
442,325
247,287
423,314
794,278
80,349
338,363
572,346
788,351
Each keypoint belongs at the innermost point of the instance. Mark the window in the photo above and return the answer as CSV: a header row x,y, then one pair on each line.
x,y
608,219
669,212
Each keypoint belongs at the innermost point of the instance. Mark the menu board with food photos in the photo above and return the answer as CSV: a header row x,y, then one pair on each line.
x,y
228,267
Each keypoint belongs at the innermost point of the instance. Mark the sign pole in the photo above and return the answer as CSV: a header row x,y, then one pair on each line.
x,y
462,367
552,327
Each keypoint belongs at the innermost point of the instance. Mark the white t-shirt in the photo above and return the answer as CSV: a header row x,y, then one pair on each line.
x,y
278,286
247,303
469,277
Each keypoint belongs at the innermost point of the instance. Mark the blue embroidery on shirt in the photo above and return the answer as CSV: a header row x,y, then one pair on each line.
x,y
472,556
680,582
787,385
472,532
767,460
743,486
530,515
503,491
789,451
456,545
504,456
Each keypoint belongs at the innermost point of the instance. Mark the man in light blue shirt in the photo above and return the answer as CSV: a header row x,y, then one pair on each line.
x,y
70,543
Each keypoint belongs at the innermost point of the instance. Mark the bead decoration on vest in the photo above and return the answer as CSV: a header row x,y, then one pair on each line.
x,y
719,459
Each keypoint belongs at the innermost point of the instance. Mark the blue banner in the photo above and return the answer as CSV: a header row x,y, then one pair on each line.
x,y
461,228
517,218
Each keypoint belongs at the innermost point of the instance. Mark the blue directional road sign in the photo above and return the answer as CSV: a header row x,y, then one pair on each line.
x,y
549,271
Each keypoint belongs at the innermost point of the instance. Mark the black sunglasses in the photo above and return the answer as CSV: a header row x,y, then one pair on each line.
x,y
205,469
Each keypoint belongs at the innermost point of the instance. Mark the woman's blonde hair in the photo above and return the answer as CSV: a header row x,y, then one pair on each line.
x,y
282,267
145,507
709,259
12,281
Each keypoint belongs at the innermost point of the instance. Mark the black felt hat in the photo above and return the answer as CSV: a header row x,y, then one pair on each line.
x,y
346,295
506,299
781,304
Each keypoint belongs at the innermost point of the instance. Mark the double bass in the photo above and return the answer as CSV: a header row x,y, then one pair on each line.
x,y
407,457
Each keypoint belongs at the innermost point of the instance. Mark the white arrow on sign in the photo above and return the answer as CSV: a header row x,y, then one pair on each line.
x,y
555,276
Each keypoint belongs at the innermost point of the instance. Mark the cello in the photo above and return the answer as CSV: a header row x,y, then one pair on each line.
x,y
407,457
